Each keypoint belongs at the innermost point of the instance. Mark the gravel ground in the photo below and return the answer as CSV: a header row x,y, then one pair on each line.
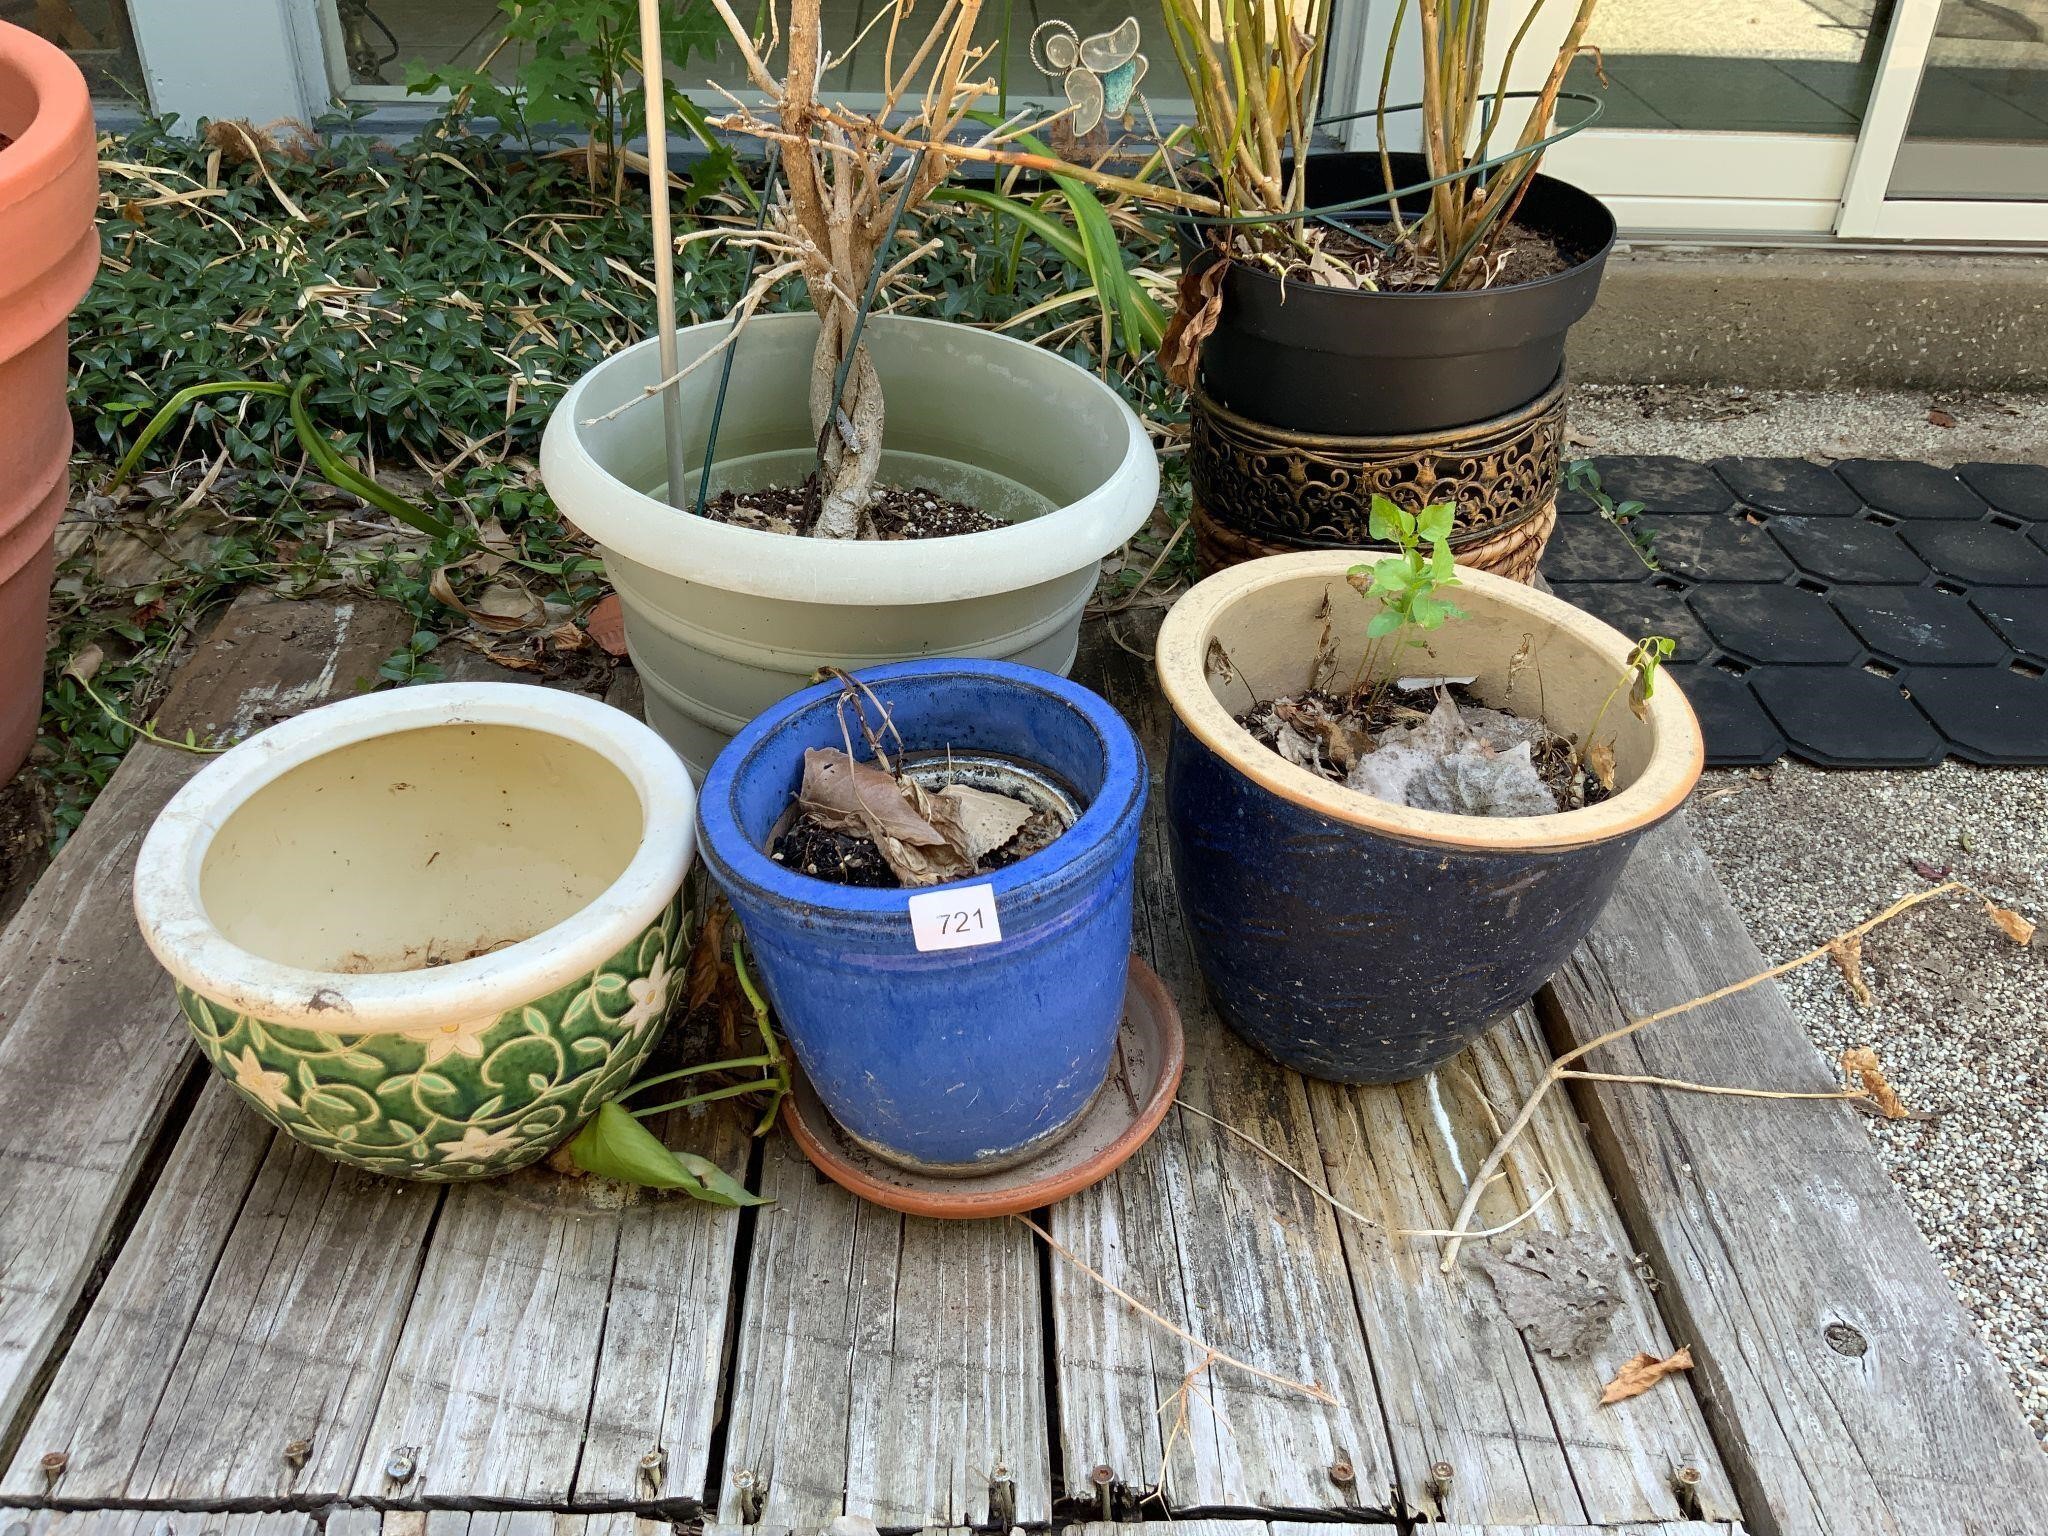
x,y
1960,1014
1698,422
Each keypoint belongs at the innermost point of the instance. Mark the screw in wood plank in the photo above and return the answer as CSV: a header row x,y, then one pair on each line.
x,y
53,1465
296,1452
1685,1482
652,1466
1845,1340
1341,1473
1103,1478
1441,1475
1002,1497
753,1493
402,1463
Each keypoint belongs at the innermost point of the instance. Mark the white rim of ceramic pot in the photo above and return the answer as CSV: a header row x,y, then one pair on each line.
x,y
875,573
188,945
1677,751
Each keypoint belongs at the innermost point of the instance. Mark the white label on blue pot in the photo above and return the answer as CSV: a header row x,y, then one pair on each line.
x,y
959,917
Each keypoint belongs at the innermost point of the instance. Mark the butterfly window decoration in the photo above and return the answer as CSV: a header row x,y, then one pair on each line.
x,y
1100,73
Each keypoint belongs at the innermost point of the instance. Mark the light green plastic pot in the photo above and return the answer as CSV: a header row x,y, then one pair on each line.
x,y
723,621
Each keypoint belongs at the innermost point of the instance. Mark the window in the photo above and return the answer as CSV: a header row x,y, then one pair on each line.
x,y
94,32
381,38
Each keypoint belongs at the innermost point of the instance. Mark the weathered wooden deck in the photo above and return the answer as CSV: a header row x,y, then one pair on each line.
x,y
205,1328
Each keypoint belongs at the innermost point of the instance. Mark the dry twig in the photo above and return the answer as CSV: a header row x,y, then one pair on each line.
x,y
1211,1354
1561,1069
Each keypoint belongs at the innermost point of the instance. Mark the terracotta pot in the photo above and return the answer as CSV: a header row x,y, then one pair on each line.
x,y
1361,941
49,250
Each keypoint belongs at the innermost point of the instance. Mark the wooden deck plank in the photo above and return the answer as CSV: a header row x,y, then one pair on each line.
x,y
659,1371
490,1386
98,1408
77,1125
292,1338
1632,1528
489,1522
1844,1383
252,1310
888,1367
156,1522
1224,1244
1521,1436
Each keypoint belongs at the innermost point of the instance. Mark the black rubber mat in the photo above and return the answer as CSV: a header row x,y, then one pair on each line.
x,y
1876,613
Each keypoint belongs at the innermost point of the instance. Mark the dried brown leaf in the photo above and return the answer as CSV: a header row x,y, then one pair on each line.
x,y
2010,923
502,610
707,956
1861,1065
862,799
1311,723
1218,663
506,607
856,797
1847,953
1937,417
1642,1372
85,664
1559,1291
1520,660
1326,648
1600,763
982,819
607,625
1194,318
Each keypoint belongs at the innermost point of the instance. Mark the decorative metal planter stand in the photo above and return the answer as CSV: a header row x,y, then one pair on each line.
x,y
1261,490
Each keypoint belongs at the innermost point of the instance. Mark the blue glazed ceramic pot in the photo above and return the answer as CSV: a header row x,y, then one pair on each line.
x,y
1358,940
948,1060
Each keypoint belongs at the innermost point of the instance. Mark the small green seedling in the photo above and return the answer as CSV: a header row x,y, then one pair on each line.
x,y
1409,585
1581,476
1639,677
1650,653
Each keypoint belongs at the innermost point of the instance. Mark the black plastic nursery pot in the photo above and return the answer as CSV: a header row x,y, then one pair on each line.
x,y
1351,938
1355,362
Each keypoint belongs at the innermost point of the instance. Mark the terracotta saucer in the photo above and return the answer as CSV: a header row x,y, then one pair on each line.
x,y
1150,1051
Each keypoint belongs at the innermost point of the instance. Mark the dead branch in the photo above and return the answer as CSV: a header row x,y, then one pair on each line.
x,y
1561,1069
1212,1354
1356,1215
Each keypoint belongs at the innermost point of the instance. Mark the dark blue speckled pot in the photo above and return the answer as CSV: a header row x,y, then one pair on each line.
x,y
1359,941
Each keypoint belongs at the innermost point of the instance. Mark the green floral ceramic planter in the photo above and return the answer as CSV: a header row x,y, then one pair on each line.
x,y
460,1099
428,932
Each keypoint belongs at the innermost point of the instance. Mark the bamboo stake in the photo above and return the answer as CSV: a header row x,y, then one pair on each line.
x,y
656,82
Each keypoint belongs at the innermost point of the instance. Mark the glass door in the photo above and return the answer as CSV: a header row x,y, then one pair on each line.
x,y
1718,118
1733,117
1956,146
